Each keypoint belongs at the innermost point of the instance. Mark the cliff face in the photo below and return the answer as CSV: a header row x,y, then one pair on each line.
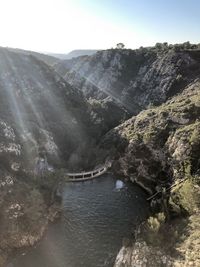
x,y
129,81
158,147
44,122
155,146
133,78
41,109
26,207
45,116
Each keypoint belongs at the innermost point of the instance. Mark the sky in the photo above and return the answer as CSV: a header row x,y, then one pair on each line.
x,y
60,26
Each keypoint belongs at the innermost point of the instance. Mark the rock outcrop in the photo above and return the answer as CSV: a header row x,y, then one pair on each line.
x,y
155,147
133,78
41,110
42,118
142,255
129,81
158,148
26,207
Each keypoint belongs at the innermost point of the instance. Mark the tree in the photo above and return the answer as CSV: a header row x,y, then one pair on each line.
x,y
158,46
187,45
120,46
161,46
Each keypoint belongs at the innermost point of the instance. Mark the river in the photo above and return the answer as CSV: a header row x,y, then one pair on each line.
x,y
96,216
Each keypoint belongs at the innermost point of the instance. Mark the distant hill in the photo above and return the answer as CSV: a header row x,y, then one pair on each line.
x,y
48,59
75,53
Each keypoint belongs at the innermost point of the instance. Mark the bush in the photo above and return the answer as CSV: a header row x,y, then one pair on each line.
x,y
154,223
188,196
153,227
185,197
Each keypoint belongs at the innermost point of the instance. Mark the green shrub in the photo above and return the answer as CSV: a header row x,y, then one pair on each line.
x,y
154,223
188,196
153,226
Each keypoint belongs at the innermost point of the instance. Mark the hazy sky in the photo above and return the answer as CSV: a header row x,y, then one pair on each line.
x,y
64,25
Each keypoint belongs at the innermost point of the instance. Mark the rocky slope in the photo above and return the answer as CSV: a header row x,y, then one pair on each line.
x,y
157,148
128,81
174,244
133,78
155,145
48,59
41,109
160,148
27,205
44,122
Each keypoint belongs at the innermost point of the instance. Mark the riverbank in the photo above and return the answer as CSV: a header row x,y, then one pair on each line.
x,y
26,210
175,244
171,241
23,240
159,149
95,217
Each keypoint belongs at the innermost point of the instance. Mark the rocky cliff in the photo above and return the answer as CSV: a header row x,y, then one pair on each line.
x,y
133,78
44,123
54,118
128,81
160,149
153,146
40,108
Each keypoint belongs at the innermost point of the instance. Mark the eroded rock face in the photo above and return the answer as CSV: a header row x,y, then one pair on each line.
x,y
41,116
142,255
128,81
25,210
133,78
156,146
39,109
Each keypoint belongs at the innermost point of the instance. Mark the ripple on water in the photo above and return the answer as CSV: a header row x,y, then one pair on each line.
x,y
95,218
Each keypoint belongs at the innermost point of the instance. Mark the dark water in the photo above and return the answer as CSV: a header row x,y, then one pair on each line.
x,y
95,219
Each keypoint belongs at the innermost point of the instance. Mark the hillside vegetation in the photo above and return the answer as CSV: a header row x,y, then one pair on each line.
x,y
158,148
134,78
139,108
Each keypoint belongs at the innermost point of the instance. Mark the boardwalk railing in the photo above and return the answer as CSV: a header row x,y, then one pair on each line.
x,y
84,176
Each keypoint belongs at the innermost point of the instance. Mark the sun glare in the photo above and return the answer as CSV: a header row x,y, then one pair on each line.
x,y
59,26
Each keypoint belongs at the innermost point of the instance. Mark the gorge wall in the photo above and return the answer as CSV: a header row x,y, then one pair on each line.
x,y
139,108
134,79
42,119
158,147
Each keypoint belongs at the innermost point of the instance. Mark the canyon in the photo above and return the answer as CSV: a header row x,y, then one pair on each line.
x,y
138,108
